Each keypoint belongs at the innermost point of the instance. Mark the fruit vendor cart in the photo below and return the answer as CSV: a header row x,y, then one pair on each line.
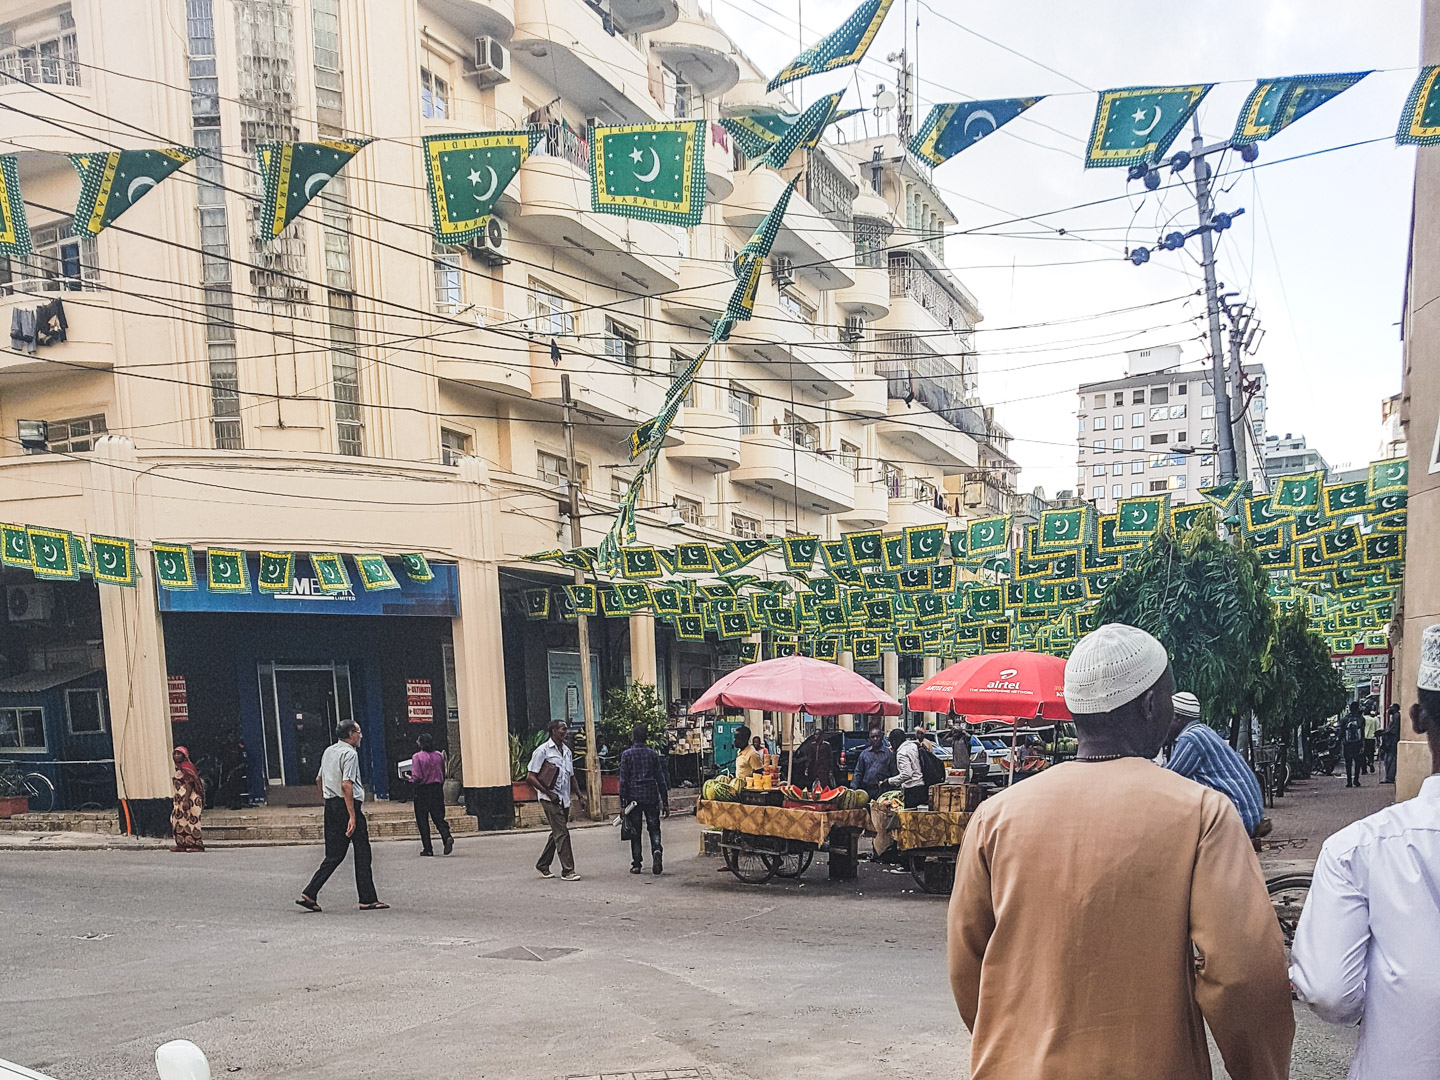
x,y
925,842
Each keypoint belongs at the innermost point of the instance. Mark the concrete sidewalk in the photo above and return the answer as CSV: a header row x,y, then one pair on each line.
x,y
1313,810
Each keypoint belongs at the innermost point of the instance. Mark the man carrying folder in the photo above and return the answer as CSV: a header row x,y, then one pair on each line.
x,y
552,775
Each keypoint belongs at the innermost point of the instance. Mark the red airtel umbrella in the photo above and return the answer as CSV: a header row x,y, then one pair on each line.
x,y
798,684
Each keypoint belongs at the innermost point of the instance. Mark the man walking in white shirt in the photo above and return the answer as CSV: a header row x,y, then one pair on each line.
x,y
1368,944
344,795
552,775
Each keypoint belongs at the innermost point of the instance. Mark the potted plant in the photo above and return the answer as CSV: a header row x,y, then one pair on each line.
x,y
520,754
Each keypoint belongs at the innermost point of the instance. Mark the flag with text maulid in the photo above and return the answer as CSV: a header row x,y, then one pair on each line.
x,y
1420,117
1135,125
843,46
294,173
466,174
757,129
805,133
111,183
654,172
14,226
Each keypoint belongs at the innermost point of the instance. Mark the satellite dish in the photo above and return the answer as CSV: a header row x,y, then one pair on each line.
x,y
884,102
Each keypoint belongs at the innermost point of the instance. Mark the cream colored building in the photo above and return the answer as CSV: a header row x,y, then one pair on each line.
x,y
352,388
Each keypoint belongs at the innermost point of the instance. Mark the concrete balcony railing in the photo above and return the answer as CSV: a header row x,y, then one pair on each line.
x,y
774,465
869,400
499,363
705,288
708,440
869,296
871,509
478,18
94,327
604,391
699,53
639,16
926,437
820,367
820,250
905,512
719,164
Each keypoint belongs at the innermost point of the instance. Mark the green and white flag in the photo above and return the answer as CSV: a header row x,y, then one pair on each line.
x,y
1275,104
864,548
14,226
1294,494
655,172
640,563
756,129
1383,547
277,571
1141,516
800,552
293,173
114,560
537,603
330,571
375,573
1063,528
1389,476
465,176
1135,125
1340,501
52,558
15,546
954,126
750,264
582,599
1225,496
988,536
174,566
1420,118
923,544
417,567
227,571
843,46
805,133
111,183
80,554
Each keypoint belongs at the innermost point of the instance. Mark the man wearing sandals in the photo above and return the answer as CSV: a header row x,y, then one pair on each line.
x,y
344,795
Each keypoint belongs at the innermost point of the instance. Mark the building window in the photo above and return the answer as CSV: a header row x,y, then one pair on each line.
x,y
1119,399
1097,470
679,364
41,51
1177,482
1159,395
453,446
58,261
1118,469
1259,429
745,407
446,261
1182,389
1100,401
1082,425
85,711
345,375
801,432
1177,412
1207,412
1160,413
1118,444
849,456
1160,438
1182,436
691,511
1137,488
894,480
549,312
1159,485
1137,442
1117,491
74,436
1207,459
551,468
1206,390
792,303
1099,446
924,492
745,527
1137,419
22,729
1137,466
622,343
434,96
1099,424
1159,461
1137,397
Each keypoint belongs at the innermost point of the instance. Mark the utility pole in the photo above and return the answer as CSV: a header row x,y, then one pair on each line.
x,y
582,623
1241,319
1224,433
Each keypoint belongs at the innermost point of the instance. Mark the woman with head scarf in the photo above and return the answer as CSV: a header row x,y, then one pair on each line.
x,y
189,801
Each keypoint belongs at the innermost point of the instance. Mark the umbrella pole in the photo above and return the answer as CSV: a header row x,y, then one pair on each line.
x,y
1014,737
790,738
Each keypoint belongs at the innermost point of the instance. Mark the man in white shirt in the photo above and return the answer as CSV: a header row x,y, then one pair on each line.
x,y
552,775
910,775
1368,944
344,795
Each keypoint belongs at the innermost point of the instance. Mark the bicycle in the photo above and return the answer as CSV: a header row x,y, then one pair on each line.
x,y
34,786
1288,893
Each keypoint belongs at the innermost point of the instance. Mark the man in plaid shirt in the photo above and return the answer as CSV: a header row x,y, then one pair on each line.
x,y
643,782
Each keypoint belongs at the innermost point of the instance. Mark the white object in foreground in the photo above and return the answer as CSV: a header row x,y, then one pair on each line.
x,y
181,1060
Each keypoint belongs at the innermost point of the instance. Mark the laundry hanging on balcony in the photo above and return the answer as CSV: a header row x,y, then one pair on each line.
x,y
293,173
111,183
654,172
465,176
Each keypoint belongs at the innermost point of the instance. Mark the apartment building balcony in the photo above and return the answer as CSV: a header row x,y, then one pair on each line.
x,y
705,288
719,164
641,16
89,342
869,297
907,511
869,400
478,18
924,296
566,44
555,208
926,437
605,391
499,363
821,251
773,464
706,440
821,367
871,509
700,53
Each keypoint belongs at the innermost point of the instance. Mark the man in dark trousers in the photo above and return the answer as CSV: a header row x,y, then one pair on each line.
x,y
643,783
1390,743
427,773
344,795
1352,744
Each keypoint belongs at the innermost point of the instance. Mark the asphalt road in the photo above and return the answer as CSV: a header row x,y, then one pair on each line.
x,y
109,953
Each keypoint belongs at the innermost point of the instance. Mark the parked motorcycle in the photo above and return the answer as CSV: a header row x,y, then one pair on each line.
x,y
1325,749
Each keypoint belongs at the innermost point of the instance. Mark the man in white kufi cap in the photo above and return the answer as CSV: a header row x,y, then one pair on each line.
x,y
1082,895
1368,944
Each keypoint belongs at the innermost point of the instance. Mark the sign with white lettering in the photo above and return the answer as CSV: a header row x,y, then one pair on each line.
x,y
417,698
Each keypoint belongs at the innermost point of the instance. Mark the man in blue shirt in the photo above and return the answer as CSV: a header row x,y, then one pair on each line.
x,y
1200,754
875,764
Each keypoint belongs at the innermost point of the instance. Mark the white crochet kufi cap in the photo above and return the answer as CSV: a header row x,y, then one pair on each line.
x,y
1186,704
1111,667
1429,677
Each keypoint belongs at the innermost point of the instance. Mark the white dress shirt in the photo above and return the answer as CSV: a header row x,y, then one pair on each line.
x,y
341,762
563,760
907,761
1368,944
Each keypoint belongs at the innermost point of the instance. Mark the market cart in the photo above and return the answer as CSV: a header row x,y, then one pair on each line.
x,y
925,842
762,842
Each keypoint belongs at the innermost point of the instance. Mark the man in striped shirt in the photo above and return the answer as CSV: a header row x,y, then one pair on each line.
x,y
1199,753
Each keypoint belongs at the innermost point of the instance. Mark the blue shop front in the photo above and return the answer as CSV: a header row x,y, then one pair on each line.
x,y
259,681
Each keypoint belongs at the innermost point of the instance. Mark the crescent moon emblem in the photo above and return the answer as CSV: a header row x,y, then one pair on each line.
x,y
139,186
979,114
494,183
1062,526
645,178
1153,122
315,182
1142,516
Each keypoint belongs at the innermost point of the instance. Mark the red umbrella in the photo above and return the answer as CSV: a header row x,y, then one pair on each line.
x,y
1012,685
798,684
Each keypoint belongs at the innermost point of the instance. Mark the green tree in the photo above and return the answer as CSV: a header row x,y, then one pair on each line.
x,y
638,703
1302,689
1206,601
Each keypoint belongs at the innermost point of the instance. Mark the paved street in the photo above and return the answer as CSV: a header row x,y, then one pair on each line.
x,y
109,953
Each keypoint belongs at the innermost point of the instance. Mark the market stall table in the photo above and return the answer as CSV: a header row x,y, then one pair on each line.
x,y
760,842
925,842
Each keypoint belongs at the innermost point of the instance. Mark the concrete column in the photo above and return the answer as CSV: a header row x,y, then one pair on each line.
x,y
479,656
134,645
847,720
643,665
890,667
932,667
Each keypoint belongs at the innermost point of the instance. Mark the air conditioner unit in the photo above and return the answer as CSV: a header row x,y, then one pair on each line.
x,y
492,62
853,330
782,270
493,245
30,602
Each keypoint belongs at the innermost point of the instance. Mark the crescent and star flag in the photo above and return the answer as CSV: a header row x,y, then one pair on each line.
x,y
114,558
1420,118
113,182
1297,493
655,172
756,130
749,265
14,226
838,48
951,128
805,133
294,173
466,175
1275,104
1136,125
226,570
174,566
52,555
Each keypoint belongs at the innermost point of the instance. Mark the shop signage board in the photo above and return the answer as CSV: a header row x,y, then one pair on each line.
x,y
417,698
564,671
179,699
438,596
1362,668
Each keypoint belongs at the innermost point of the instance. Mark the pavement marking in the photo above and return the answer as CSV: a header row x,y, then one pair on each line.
x,y
525,952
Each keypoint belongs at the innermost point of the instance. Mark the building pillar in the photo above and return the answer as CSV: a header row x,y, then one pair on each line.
x,y
932,667
643,665
890,669
847,720
480,656
135,673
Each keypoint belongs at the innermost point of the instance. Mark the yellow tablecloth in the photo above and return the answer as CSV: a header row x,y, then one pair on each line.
x,y
910,829
812,826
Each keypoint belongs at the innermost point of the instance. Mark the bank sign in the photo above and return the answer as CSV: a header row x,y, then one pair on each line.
x,y
438,596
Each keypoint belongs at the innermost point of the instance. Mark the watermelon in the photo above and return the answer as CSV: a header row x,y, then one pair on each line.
x,y
720,789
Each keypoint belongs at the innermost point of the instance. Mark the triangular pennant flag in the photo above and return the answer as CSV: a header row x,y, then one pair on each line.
x,y
175,566
14,226
757,129
375,573
655,172
277,571
952,127
1275,104
465,176
111,183
1420,118
749,264
839,48
805,133
293,173
227,571
1135,125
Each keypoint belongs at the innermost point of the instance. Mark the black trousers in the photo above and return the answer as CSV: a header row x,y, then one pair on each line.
x,y
430,806
1370,755
651,813
1354,766
337,844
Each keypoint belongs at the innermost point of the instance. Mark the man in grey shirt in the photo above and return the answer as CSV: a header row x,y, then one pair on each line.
x,y
344,795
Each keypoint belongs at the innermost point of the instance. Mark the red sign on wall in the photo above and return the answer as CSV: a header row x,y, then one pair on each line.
x,y
417,698
179,701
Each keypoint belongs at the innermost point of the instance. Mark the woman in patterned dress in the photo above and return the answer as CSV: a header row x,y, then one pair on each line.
x,y
189,801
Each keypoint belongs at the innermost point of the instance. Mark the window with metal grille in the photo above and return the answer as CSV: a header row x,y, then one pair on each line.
x,y
911,278
849,456
41,50
59,261
829,190
453,446
691,511
549,312
621,343
747,528
552,468
75,436
871,239
745,407
345,375
923,491
801,432
446,262
434,96
894,479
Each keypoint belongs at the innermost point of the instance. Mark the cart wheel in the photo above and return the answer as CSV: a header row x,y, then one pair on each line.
x,y
791,864
934,876
751,867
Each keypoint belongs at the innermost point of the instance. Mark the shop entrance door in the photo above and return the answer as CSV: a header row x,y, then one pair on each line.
x,y
304,703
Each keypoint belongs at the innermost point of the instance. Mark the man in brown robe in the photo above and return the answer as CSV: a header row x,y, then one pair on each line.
x,y
1105,907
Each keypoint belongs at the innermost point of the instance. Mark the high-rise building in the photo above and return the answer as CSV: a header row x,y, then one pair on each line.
x,y
1288,455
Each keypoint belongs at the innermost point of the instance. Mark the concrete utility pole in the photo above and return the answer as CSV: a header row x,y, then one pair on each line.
x,y
582,623
1242,318
1224,433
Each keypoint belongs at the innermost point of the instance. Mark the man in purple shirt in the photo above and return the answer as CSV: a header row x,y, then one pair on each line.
x,y
427,773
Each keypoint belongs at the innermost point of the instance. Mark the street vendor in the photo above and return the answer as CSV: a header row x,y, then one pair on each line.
x,y
748,760
875,765
910,775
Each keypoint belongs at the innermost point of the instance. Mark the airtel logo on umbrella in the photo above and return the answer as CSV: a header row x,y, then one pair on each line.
x,y
1008,673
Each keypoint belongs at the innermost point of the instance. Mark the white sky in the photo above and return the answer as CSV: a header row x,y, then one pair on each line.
x,y
1320,249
